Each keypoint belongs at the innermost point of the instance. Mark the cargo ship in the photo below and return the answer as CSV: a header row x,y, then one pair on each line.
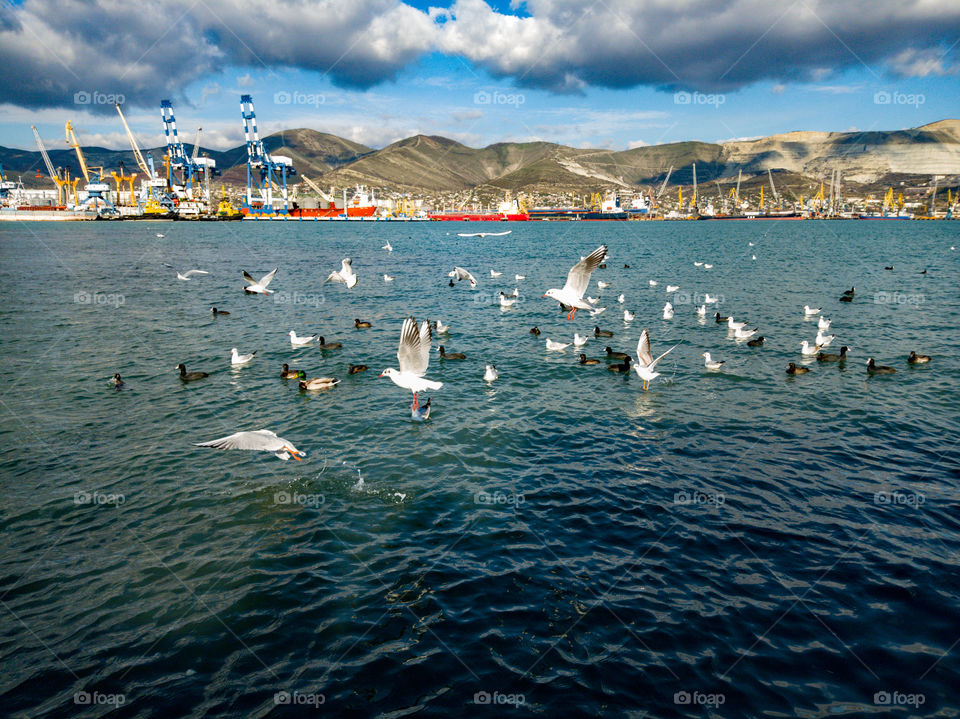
x,y
358,207
609,210
508,211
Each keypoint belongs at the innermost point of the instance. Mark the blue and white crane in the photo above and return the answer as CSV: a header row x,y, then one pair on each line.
x,y
265,172
192,168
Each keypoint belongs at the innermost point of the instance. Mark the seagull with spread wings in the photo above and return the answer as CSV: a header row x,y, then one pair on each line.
x,y
413,356
645,361
578,279
258,287
261,440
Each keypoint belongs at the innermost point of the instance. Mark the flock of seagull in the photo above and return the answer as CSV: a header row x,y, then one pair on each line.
x,y
416,338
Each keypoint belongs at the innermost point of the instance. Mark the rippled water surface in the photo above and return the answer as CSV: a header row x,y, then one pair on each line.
x,y
559,542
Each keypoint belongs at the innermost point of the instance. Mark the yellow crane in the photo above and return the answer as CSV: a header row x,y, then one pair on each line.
x,y
72,142
120,179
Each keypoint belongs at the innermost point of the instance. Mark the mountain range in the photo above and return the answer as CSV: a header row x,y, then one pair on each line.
x,y
426,164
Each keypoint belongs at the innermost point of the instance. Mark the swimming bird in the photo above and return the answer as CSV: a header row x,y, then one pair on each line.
x,y
458,273
720,318
535,331
159,235
506,301
749,244
645,362
117,381
888,268
579,341
734,325
846,298
698,264
827,357
421,414
356,368
707,267
743,333
758,342
236,358
215,311
261,440
627,267
258,287
324,345
287,373
602,285
668,311
190,376
753,257
874,368
823,323
388,278
811,311
186,275
672,288
450,355
441,328
924,272
577,281
611,355
593,300
851,292
556,346
518,278
490,373
317,383
628,316
597,332
598,311
300,341
806,349
653,283
793,369
824,340
495,274
346,275
710,300
388,247
361,324
621,299
623,367
702,311
711,363
914,358
413,356
585,360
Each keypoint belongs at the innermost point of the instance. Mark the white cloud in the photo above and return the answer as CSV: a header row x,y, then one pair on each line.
x,y
634,144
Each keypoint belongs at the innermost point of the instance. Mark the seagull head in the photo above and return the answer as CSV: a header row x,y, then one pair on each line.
x,y
554,294
388,372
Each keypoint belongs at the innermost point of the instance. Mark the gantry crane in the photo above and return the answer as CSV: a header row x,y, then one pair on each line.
x,y
191,167
95,188
264,171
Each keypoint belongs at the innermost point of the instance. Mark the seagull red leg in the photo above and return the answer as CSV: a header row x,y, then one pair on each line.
x,y
572,313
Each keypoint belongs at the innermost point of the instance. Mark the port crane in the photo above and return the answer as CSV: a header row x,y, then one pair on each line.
x,y
59,181
153,199
316,188
95,188
191,167
264,171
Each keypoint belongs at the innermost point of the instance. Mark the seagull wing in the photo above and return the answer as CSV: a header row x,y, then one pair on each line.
x,y
410,353
653,364
346,267
195,272
248,278
643,349
426,337
267,278
579,277
261,439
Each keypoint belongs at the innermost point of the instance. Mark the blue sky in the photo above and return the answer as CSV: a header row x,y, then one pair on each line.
x,y
612,74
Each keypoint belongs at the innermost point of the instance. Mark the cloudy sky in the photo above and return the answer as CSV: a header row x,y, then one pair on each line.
x,y
609,73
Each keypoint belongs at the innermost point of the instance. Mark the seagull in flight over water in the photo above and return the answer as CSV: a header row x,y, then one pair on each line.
x,y
578,279
261,440
413,356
